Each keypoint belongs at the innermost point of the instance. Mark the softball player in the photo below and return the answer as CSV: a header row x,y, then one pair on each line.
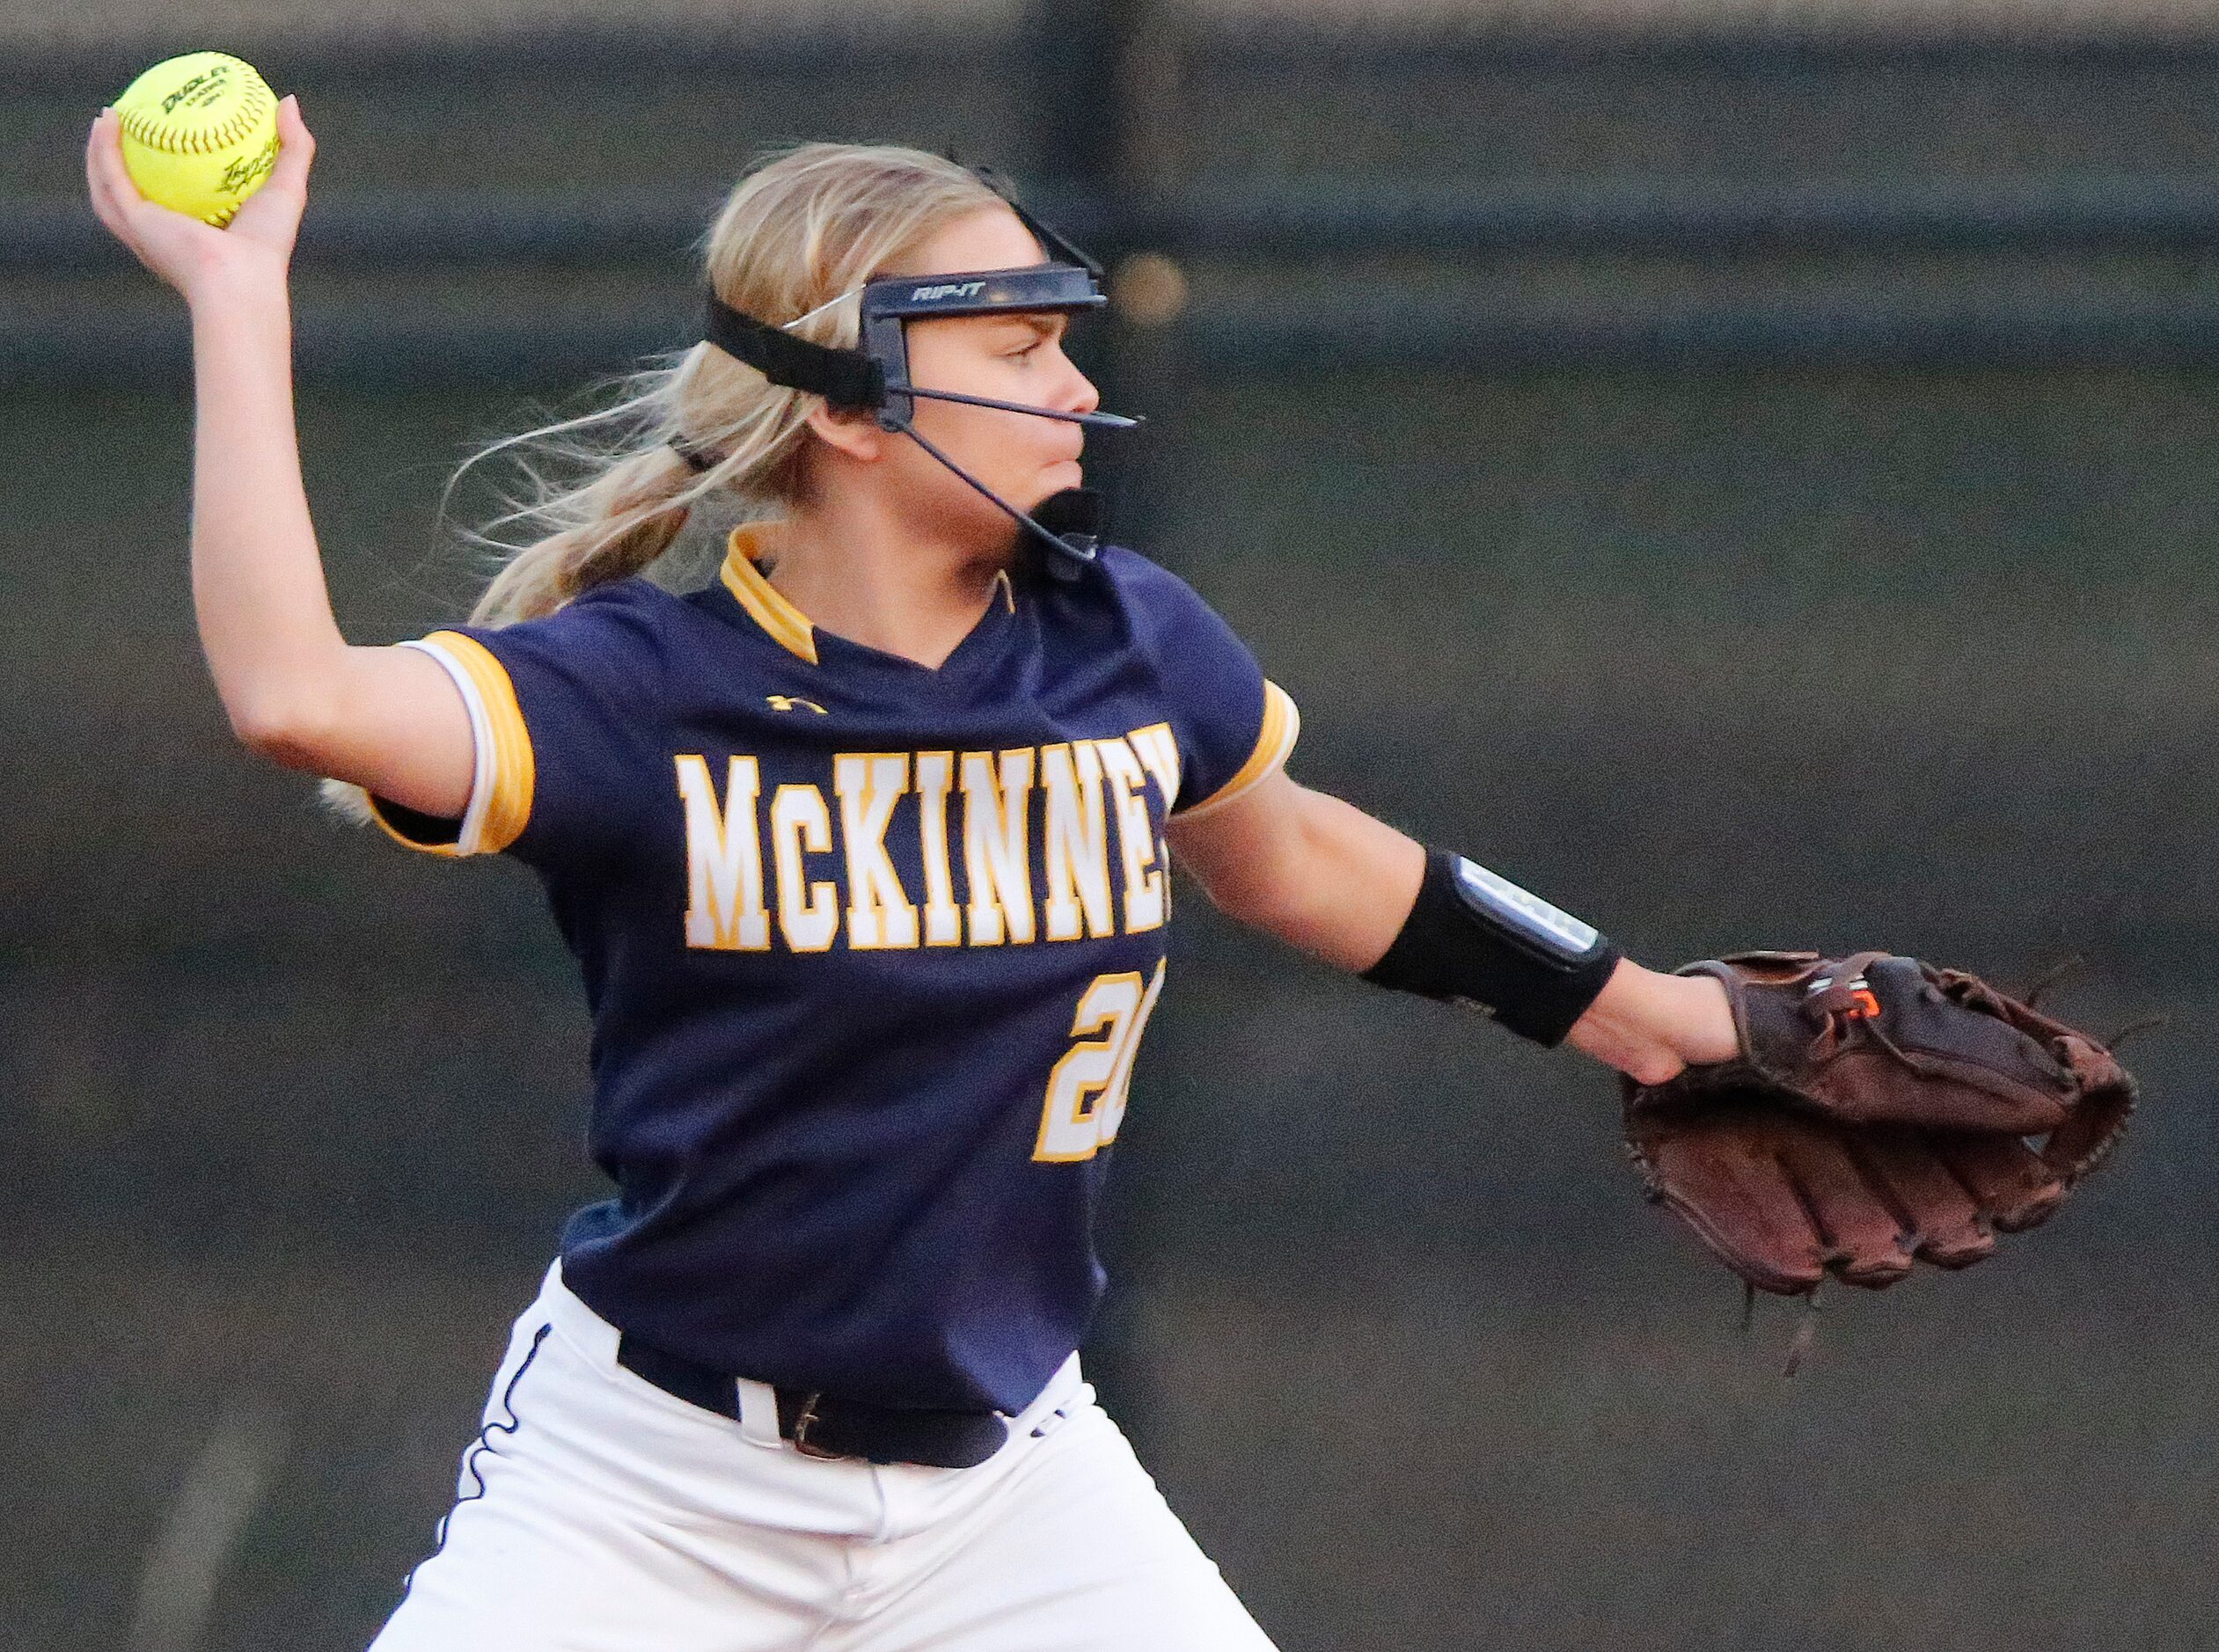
x,y
864,853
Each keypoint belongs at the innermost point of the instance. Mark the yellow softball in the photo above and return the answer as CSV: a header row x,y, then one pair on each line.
x,y
200,134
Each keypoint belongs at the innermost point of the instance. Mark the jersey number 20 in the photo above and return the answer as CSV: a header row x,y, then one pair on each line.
x,y
1087,1088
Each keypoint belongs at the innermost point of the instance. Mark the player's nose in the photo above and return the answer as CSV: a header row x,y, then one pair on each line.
x,y
1079,394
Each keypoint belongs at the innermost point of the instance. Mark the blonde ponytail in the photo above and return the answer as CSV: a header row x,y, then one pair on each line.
x,y
629,514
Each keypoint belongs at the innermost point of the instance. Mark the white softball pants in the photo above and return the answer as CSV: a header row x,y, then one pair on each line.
x,y
596,1513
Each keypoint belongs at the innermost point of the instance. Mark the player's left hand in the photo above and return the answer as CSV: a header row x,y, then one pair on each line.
x,y
1877,1111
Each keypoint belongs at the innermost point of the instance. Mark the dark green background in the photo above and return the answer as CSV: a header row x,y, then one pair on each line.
x,y
1920,659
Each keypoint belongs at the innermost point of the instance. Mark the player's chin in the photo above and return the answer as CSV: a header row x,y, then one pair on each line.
x,y
1043,485
1062,474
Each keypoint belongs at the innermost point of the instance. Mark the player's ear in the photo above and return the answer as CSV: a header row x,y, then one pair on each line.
x,y
853,431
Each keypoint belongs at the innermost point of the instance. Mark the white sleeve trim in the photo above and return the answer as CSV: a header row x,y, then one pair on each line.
x,y
470,838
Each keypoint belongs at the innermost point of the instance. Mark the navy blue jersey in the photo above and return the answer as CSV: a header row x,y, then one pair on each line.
x,y
868,948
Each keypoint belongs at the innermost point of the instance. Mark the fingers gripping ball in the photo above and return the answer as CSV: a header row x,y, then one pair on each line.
x,y
1879,1111
200,134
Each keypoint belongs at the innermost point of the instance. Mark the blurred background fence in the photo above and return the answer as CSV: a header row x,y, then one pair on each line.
x,y
1743,470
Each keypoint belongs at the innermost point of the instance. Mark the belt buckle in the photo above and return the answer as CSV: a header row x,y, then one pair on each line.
x,y
803,1423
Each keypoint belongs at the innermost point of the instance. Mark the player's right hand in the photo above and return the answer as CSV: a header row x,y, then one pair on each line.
x,y
197,258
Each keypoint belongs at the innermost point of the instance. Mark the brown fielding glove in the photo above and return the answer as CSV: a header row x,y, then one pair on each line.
x,y
1880,1109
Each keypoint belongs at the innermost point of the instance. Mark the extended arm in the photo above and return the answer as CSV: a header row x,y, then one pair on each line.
x,y
295,692
1324,876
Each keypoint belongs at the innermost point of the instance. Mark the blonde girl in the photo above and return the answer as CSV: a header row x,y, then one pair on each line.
x,y
864,849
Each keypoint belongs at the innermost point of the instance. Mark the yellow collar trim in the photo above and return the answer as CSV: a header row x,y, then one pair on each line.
x,y
788,625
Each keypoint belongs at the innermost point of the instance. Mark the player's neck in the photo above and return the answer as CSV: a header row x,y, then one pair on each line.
x,y
864,575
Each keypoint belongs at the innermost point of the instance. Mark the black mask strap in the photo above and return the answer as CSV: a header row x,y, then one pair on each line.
x,y
844,378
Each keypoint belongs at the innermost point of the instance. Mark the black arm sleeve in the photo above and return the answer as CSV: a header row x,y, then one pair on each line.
x,y
1477,939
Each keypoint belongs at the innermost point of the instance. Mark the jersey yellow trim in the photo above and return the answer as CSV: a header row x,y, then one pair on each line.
x,y
1282,725
513,770
788,625
501,789
377,818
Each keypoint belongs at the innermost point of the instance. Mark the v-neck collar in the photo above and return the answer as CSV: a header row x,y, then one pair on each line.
x,y
785,624
794,631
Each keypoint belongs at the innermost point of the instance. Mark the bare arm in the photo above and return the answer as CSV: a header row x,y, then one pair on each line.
x,y
295,691
1324,876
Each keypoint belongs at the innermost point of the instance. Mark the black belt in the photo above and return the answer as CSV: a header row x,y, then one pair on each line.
x,y
824,1425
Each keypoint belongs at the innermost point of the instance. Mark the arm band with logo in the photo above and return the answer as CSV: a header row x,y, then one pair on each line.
x,y
1479,940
